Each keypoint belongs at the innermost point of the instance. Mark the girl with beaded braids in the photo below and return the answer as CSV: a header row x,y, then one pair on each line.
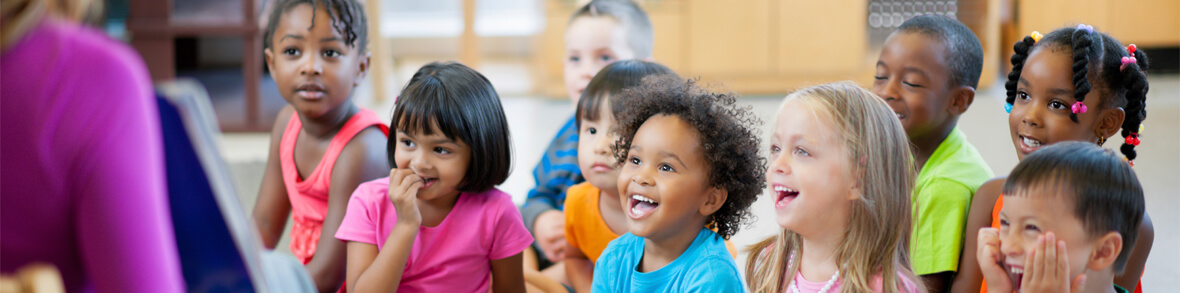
x,y
1074,84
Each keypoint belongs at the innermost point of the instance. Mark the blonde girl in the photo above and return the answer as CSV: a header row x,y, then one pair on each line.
x,y
841,175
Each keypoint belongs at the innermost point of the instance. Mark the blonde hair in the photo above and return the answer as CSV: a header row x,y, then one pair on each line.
x,y
19,16
876,240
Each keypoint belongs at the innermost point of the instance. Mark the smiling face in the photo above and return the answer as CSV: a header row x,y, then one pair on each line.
x,y
809,172
595,157
590,44
440,161
664,181
913,80
1034,213
314,69
1044,94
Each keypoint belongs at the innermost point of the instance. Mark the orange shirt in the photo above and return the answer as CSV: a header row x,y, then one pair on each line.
x,y
584,226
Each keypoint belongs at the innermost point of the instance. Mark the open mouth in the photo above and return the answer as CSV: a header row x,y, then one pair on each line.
x,y
427,182
1028,144
900,116
1015,274
784,196
641,206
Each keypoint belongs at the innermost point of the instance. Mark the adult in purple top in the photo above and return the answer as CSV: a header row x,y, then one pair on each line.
x,y
81,163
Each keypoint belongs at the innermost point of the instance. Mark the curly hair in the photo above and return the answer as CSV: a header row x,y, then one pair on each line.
x,y
1096,57
728,135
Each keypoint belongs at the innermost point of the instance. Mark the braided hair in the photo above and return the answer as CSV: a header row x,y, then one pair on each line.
x,y
348,19
1098,54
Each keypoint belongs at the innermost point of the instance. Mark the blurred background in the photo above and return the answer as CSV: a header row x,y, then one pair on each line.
x,y
761,49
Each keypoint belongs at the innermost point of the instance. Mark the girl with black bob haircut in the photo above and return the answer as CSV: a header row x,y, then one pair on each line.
x,y
437,223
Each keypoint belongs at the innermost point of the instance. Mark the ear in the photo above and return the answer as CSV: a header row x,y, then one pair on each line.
x,y
362,69
961,99
1110,121
270,59
1106,251
856,192
714,200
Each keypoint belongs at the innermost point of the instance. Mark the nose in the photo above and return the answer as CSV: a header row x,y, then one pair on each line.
x,y
603,143
642,176
1030,115
887,90
420,162
779,165
1011,245
312,66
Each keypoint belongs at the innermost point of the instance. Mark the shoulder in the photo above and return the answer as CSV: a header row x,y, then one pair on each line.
x,y
281,121
957,161
990,191
367,149
372,190
580,194
93,53
714,272
492,201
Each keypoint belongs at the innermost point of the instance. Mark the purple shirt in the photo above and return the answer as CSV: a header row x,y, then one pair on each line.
x,y
81,164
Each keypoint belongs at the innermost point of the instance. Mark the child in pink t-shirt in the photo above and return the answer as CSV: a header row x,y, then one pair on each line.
x,y
437,224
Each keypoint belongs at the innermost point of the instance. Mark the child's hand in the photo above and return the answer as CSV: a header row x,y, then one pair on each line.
x,y
550,232
989,256
1047,268
403,192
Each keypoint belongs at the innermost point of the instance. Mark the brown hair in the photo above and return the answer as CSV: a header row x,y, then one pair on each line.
x,y
19,16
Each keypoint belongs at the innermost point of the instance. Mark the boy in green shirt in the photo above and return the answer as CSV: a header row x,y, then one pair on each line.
x,y
927,72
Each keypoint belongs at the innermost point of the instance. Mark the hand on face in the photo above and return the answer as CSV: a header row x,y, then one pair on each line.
x,y
1046,268
403,192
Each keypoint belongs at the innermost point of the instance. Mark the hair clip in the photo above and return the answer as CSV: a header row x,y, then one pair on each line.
x,y
1078,108
1088,29
1140,128
1129,162
1131,49
1127,61
1036,36
1133,139
1008,108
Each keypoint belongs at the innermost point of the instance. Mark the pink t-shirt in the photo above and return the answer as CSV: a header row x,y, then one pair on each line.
x,y
812,287
451,257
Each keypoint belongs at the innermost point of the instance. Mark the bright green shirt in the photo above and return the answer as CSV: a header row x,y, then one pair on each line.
x,y
942,197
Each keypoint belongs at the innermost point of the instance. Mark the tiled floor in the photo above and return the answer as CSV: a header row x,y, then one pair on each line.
x,y
534,121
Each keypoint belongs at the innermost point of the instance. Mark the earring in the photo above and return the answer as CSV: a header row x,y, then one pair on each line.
x,y
1101,139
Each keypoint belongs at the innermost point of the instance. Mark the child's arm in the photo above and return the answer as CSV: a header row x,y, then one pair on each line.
x,y
969,279
507,275
272,207
578,268
362,159
370,270
1134,269
989,256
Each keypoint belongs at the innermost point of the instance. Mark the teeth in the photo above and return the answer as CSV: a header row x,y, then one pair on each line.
x,y
636,211
643,199
1032,142
1017,271
783,189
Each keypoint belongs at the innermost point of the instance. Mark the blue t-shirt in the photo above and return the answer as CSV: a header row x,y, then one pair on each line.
x,y
705,266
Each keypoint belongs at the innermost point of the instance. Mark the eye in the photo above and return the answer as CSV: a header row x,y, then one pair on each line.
x,y
407,143
1032,228
291,51
574,59
635,161
881,78
666,168
441,150
606,58
774,149
910,84
1022,95
332,53
592,130
801,152
1003,223
1055,104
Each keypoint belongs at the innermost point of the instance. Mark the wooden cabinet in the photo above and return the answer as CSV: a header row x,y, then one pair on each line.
x,y
1146,23
750,46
